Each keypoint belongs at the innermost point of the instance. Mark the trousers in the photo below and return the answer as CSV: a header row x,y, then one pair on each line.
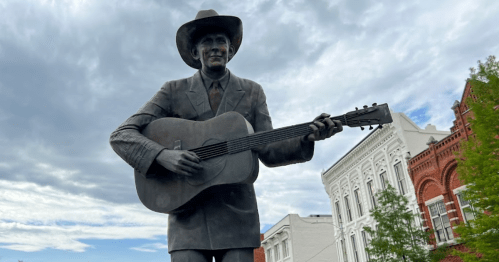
x,y
223,255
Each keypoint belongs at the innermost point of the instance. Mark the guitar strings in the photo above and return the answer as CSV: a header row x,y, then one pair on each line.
x,y
243,144
208,147
268,136
253,140
266,140
239,148
218,149
214,146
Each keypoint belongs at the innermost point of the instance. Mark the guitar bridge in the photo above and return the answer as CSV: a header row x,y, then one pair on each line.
x,y
177,145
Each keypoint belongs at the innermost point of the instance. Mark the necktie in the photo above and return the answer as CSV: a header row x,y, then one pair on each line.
x,y
215,96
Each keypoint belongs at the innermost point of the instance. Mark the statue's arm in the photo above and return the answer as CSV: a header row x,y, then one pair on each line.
x,y
127,140
291,151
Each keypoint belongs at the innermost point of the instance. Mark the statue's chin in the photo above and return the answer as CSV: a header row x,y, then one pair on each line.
x,y
217,67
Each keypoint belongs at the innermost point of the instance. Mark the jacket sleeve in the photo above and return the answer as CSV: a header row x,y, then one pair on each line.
x,y
280,153
127,140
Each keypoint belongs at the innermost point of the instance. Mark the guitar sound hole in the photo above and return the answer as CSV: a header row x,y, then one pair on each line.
x,y
212,167
214,160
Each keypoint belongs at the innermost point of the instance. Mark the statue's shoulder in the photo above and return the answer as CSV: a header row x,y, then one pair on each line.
x,y
246,83
178,85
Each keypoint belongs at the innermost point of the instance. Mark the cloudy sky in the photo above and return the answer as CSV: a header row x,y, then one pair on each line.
x,y
72,71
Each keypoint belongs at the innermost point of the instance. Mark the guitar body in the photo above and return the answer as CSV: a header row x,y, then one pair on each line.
x,y
166,191
230,161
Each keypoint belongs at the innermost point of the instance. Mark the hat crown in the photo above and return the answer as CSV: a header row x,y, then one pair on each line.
x,y
206,13
205,19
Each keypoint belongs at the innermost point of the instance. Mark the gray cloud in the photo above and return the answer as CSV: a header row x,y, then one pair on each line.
x,y
70,74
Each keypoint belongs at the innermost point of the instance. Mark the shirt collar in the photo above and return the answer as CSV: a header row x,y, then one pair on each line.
x,y
208,81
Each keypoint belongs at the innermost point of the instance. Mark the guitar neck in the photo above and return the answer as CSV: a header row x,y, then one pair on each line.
x,y
368,116
258,139
271,136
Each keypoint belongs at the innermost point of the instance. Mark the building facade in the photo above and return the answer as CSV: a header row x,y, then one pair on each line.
x,y
352,182
299,239
438,189
259,253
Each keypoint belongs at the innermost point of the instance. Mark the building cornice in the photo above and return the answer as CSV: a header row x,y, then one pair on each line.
x,y
284,230
361,151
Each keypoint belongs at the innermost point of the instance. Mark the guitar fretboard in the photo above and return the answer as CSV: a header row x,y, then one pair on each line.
x,y
257,139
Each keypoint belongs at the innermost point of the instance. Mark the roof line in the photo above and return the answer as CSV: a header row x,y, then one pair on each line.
x,y
372,132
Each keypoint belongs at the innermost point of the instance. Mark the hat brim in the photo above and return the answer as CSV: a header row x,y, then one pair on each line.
x,y
231,24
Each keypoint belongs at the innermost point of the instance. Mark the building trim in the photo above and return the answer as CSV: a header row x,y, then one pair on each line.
x,y
459,189
434,200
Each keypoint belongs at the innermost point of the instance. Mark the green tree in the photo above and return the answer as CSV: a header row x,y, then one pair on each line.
x,y
396,237
478,166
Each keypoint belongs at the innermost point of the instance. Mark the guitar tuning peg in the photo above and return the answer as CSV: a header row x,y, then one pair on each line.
x,y
356,108
370,127
380,126
365,106
375,104
362,128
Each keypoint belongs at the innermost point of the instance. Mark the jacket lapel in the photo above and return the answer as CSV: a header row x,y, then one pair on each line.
x,y
232,95
198,96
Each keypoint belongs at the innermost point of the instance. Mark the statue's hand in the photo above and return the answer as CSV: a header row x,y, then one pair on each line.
x,y
182,162
324,128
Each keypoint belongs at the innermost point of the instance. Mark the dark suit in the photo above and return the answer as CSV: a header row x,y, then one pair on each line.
x,y
221,217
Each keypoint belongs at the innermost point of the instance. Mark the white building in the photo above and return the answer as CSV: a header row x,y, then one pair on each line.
x,y
351,182
300,239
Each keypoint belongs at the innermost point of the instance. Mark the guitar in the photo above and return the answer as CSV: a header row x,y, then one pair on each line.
x,y
224,144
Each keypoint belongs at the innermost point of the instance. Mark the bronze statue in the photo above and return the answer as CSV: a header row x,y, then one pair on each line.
x,y
219,221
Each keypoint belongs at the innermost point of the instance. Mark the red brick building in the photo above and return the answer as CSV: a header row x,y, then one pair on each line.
x,y
259,253
438,189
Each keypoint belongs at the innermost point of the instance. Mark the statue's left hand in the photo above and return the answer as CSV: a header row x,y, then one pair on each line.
x,y
324,128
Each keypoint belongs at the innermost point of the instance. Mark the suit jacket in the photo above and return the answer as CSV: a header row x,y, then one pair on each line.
x,y
220,217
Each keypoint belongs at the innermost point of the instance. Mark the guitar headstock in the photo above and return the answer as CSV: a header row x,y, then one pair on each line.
x,y
368,116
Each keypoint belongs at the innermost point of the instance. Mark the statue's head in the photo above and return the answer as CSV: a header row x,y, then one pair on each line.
x,y
210,40
213,49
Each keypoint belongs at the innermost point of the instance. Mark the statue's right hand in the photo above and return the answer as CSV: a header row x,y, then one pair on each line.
x,y
182,162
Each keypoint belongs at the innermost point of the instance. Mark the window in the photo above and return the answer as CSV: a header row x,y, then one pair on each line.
x,y
466,208
357,199
371,193
354,246
345,258
269,255
337,204
441,223
364,239
382,176
276,252
285,250
347,206
400,178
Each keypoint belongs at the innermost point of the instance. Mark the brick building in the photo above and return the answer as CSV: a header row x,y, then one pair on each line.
x,y
438,189
259,253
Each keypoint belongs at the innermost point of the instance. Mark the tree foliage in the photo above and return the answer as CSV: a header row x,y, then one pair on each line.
x,y
396,237
478,166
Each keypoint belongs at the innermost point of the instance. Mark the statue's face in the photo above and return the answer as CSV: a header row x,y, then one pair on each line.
x,y
214,51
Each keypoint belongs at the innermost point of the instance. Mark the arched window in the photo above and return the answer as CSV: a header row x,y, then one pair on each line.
x,y
338,211
348,210
441,222
357,202
370,190
354,247
400,178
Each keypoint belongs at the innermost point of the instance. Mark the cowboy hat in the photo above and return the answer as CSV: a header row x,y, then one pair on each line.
x,y
207,20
